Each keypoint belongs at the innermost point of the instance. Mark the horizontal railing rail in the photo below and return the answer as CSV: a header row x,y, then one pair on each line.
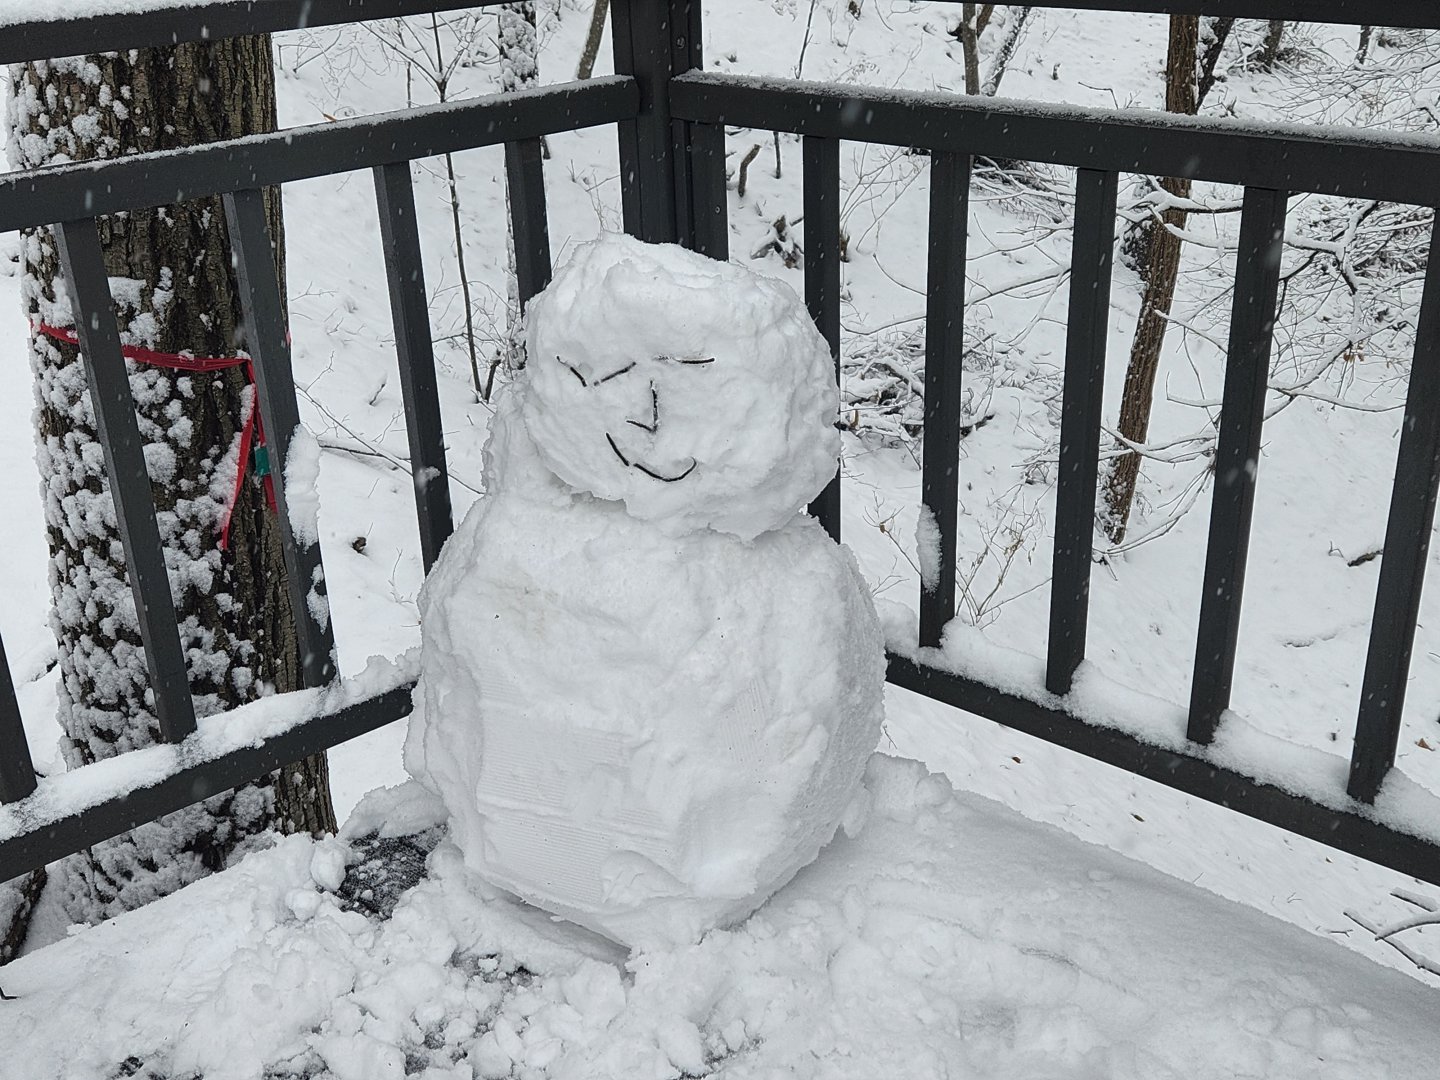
x,y
1286,157
1419,14
38,39
1354,827
74,810
56,192
42,39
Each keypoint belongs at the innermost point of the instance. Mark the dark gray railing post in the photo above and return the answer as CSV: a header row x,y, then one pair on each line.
x,y
822,278
1237,456
944,363
654,41
83,264
268,340
1091,254
410,311
1407,546
529,226
17,769
711,203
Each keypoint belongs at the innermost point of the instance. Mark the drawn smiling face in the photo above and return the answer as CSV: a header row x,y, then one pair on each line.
x,y
640,458
697,393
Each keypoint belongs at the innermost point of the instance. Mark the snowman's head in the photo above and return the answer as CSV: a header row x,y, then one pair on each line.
x,y
697,393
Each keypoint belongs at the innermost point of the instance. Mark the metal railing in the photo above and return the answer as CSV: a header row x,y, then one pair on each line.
x,y
670,119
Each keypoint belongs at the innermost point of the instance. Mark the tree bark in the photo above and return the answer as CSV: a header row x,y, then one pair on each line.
x,y
1162,269
591,49
1003,55
973,20
17,901
1210,56
519,70
1270,47
175,292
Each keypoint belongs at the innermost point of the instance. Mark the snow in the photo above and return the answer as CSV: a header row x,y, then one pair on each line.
x,y
14,12
245,726
302,493
705,374
646,732
1233,986
950,938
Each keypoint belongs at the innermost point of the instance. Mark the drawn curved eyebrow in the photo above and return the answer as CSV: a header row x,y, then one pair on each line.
x,y
573,370
613,374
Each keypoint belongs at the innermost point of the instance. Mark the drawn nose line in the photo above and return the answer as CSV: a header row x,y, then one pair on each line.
x,y
654,424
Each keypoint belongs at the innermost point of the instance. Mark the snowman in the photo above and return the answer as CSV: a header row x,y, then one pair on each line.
x,y
649,682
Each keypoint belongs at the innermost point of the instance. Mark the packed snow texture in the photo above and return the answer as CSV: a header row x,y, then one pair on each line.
x,y
643,732
649,363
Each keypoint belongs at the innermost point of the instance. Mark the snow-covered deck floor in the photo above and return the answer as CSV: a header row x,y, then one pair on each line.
x,y
950,938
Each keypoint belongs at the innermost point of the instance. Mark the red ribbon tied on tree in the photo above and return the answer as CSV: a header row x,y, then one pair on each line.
x,y
252,433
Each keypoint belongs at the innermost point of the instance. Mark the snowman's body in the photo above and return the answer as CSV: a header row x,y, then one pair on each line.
x,y
650,685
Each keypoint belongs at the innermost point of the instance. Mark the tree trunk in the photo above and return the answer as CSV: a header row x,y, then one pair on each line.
x,y
1003,55
17,901
972,25
591,50
175,292
1270,47
1363,50
519,70
1162,268
1210,56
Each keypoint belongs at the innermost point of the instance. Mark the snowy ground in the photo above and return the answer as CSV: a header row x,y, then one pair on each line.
x,y
952,938
957,929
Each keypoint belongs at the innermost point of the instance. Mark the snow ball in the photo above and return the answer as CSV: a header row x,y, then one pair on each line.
x,y
360,1057
490,1059
303,903
647,735
680,1040
901,790
696,392
327,864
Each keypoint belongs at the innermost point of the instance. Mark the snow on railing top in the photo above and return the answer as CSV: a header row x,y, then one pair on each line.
x,y
1241,744
247,726
38,29
15,12
23,11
